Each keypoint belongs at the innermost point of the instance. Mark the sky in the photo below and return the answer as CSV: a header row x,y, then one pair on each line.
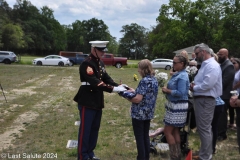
x,y
114,13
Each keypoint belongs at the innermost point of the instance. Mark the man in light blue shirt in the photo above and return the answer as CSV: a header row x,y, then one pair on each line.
x,y
206,87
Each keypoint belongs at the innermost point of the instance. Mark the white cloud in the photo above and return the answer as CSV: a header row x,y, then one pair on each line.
x,y
115,13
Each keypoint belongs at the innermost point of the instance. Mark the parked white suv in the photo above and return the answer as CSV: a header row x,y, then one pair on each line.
x,y
162,63
7,57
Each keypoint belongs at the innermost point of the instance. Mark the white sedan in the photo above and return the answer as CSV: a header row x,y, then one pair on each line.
x,y
52,60
162,63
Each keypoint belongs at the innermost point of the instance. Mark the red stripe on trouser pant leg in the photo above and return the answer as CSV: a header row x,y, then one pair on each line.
x,y
81,133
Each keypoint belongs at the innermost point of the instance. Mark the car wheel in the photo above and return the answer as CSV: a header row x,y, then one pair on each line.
x,y
61,63
167,67
7,61
118,65
71,63
39,63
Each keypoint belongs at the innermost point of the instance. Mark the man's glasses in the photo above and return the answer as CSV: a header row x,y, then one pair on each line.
x,y
234,63
176,62
198,52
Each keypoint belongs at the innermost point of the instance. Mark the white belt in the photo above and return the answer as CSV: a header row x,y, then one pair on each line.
x,y
85,84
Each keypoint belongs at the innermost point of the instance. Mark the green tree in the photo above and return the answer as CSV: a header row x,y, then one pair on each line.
x,y
75,38
133,44
56,33
94,29
231,27
1,44
80,33
183,23
5,11
113,46
47,12
28,16
43,34
59,36
12,37
24,11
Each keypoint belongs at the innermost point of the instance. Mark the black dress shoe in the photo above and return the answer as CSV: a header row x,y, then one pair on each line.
x,y
222,138
95,158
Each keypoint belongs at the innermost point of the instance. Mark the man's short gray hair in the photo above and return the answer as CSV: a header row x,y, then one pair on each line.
x,y
202,47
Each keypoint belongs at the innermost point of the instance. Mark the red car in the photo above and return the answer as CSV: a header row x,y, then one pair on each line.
x,y
118,62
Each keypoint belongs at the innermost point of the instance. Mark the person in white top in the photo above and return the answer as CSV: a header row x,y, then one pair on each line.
x,y
206,87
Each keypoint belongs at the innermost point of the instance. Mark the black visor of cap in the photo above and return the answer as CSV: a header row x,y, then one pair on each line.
x,y
101,48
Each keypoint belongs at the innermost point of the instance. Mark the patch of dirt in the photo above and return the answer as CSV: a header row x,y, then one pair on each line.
x,y
15,128
8,98
66,82
12,108
27,90
18,125
32,80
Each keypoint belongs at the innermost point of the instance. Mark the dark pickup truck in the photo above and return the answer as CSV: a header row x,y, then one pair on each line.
x,y
118,62
74,57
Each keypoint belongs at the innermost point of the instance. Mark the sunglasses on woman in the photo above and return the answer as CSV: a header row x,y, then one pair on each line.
x,y
176,62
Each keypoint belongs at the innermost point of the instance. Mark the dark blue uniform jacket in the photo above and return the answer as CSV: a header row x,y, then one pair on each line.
x,y
92,70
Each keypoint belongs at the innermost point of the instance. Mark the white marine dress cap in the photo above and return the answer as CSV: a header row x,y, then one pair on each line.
x,y
99,44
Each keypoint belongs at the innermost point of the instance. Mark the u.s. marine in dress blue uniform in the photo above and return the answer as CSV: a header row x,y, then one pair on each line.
x,y
90,99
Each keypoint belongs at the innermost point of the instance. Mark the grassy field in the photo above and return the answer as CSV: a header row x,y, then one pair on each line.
x,y
39,116
27,60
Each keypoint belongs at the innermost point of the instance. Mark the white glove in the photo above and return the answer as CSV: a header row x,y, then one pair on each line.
x,y
119,89
125,86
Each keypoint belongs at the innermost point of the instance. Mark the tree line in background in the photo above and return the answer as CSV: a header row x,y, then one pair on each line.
x,y
180,24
